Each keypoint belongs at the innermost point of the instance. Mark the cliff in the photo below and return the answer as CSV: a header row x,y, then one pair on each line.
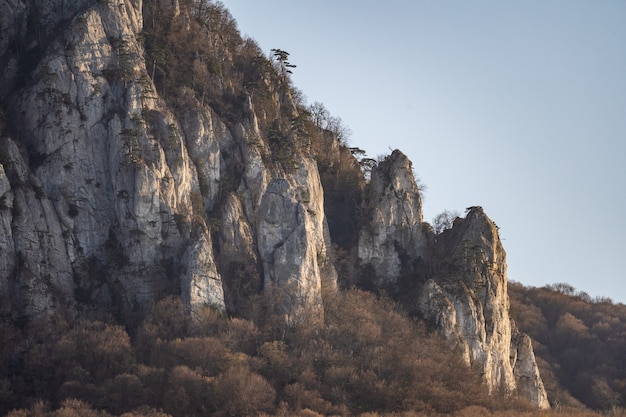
x,y
138,162
112,196
391,239
459,277
467,298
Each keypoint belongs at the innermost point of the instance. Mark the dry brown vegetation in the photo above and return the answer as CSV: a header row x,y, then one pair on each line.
x,y
580,343
367,358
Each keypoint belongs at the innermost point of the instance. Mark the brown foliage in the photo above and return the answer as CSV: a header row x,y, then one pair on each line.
x,y
579,342
367,358
241,392
207,354
94,350
186,392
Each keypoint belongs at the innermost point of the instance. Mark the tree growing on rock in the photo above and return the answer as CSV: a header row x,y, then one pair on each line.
x,y
284,65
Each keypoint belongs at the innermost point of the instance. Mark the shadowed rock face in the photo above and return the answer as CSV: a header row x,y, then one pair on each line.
x,y
105,179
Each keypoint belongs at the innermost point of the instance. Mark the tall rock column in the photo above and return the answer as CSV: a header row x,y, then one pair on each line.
x,y
468,300
529,382
292,241
391,236
273,228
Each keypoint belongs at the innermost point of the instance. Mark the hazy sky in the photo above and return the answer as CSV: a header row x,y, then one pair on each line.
x,y
519,107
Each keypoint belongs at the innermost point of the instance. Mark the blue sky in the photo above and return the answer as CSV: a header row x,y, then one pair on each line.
x,y
519,107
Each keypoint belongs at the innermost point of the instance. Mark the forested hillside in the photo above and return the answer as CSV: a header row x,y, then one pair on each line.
x,y
580,341
369,359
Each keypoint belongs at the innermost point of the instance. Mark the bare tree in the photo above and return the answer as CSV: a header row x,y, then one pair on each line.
x,y
444,220
336,125
319,114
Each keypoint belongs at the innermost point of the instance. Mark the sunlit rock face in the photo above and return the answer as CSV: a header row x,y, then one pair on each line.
x,y
468,301
529,382
109,158
111,197
391,237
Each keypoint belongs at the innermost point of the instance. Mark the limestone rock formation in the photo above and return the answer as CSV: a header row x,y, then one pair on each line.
x,y
106,178
529,382
35,266
468,300
115,194
392,235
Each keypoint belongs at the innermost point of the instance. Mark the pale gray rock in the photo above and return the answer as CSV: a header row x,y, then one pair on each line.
x,y
39,277
293,243
205,135
282,210
473,289
469,303
256,175
289,250
529,382
201,284
121,175
129,187
392,230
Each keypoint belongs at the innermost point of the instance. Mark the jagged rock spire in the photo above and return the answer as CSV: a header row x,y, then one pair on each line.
x,y
468,300
392,234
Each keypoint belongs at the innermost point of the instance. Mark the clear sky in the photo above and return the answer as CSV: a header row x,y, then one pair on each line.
x,y
519,107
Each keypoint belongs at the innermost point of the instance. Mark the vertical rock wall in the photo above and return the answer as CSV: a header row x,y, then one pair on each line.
x,y
465,294
469,302
391,236
106,177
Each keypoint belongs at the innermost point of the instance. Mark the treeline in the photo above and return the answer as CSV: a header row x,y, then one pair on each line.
x,y
580,343
366,358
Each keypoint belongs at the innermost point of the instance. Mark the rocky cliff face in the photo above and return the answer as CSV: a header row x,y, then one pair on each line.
x,y
391,239
102,177
116,190
467,298
527,377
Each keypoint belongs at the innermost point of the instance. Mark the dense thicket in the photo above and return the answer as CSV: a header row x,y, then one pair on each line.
x,y
580,343
367,357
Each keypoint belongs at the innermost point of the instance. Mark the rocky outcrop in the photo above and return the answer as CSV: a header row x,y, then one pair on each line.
x,y
106,177
293,243
391,237
113,196
36,269
110,157
468,301
200,283
529,382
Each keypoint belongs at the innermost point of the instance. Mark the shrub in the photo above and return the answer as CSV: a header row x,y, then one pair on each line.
x,y
100,350
206,354
241,392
